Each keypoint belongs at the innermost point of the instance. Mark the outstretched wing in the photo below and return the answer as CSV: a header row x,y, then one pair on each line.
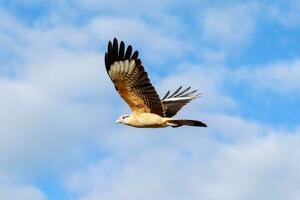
x,y
174,102
130,79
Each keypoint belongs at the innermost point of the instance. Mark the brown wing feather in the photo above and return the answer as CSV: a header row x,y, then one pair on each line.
x,y
174,102
130,79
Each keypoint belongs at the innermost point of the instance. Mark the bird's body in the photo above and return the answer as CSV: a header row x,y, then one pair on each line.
x,y
145,120
131,81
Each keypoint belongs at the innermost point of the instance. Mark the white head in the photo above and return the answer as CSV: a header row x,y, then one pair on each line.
x,y
124,119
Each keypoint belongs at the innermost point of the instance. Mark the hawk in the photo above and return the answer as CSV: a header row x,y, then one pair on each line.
x,y
130,79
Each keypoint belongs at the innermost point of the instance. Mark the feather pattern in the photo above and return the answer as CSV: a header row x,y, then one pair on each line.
x,y
174,102
131,80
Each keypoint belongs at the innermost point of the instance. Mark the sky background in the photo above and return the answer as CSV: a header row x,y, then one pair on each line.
x,y
58,107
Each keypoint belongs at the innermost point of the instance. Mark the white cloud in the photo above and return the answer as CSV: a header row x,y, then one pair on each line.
x,y
233,24
194,168
60,98
209,81
282,77
39,130
10,189
155,42
51,107
287,13
21,192
61,104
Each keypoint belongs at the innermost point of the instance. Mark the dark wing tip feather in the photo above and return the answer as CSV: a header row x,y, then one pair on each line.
x,y
166,95
172,106
188,94
121,50
128,52
109,47
178,93
184,91
117,51
135,55
109,53
139,63
106,61
172,95
115,48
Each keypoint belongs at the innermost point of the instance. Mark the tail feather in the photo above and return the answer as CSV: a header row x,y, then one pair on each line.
x,y
181,122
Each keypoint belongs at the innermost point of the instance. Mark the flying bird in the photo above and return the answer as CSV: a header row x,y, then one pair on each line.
x,y
130,79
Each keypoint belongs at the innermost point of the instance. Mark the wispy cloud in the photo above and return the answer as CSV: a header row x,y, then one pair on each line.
x,y
286,13
199,169
281,76
58,106
15,193
230,25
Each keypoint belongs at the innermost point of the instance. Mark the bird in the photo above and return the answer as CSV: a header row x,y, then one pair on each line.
x,y
126,71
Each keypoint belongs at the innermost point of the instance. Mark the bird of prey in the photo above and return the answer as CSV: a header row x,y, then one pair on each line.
x,y
126,71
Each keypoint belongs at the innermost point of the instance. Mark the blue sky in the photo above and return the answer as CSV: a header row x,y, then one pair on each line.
x,y
58,134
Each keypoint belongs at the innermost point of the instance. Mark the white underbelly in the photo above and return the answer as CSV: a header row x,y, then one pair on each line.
x,y
148,120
